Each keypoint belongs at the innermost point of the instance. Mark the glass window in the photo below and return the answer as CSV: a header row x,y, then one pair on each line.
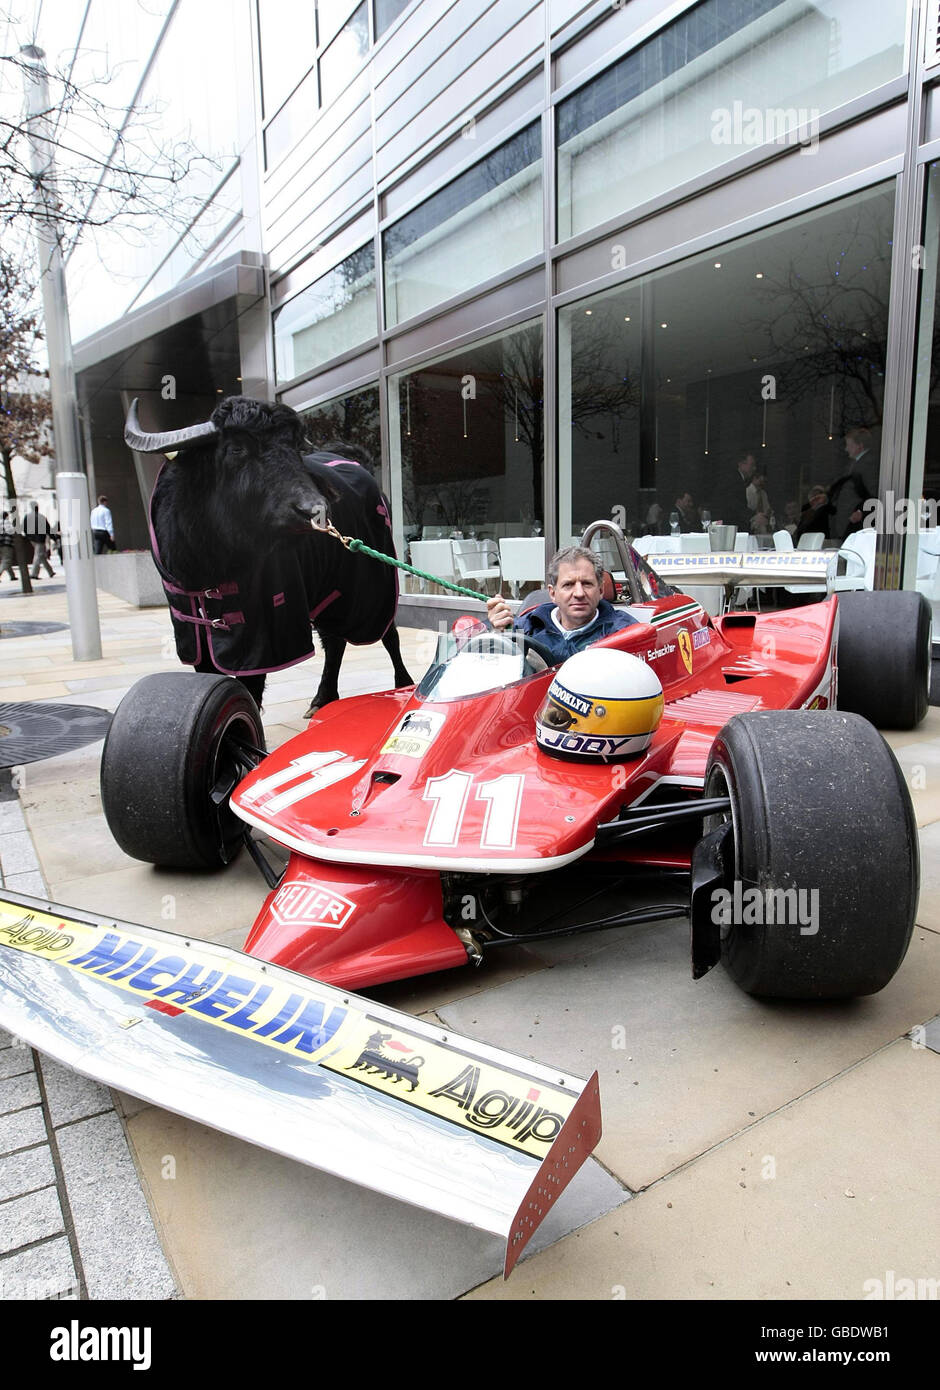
x,y
292,121
922,529
386,12
344,56
288,47
334,314
728,387
330,15
727,76
466,447
348,427
484,222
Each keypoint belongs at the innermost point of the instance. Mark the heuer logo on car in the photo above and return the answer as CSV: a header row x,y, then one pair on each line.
x,y
308,905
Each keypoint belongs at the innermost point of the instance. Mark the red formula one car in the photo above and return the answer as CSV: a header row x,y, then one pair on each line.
x,y
427,827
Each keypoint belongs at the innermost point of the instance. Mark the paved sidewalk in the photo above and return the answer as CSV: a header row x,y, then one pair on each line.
x,y
74,1222
751,1150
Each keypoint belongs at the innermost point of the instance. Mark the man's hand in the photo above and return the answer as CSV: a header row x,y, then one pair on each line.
x,y
499,613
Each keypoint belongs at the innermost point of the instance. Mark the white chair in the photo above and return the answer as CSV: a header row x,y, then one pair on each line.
x,y
811,540
928,573
928,564
472,560
743,542
522,560
858,551
783,540
436,557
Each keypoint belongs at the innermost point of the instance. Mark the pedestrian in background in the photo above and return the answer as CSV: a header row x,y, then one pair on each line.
x,y
102,527
37,527
7,536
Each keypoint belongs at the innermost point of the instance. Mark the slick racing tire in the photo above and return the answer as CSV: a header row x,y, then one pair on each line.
x,y
820,891
170,761
883,657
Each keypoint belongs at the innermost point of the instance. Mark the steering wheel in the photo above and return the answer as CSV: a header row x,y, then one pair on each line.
x,y
505,642
492,643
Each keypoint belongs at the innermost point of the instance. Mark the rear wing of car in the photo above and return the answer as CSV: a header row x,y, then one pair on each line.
x,y
308,1071
758,568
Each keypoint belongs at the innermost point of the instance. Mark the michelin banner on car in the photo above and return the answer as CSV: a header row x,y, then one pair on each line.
x,y
295,1066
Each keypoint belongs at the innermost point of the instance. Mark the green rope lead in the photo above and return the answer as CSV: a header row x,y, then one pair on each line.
x,y
351,543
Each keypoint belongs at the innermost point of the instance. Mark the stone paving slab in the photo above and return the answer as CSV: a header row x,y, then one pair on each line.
x,y
21,1130
69,1095
18,1092
240,1222
69,848
683,1063
15,1061
920,764
27,883
41,1272
25,1220
207,906
11,817
121,1254
928,913
26,1171
17,855
815,1201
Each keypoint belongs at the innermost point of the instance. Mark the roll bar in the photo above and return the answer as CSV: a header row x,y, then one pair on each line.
x,y
624,551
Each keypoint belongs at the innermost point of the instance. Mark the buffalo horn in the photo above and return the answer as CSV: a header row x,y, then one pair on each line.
x,y
135,438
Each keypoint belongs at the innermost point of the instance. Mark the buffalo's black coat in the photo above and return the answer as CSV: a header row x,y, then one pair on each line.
x,y
259,618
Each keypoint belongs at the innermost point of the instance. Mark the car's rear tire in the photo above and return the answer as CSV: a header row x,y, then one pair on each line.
x,y
819,806
883,657
169,751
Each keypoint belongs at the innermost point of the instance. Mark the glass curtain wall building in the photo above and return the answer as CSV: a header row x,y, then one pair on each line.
x,y
542,262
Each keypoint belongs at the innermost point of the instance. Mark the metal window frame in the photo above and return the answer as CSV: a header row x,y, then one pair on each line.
x,y
447,324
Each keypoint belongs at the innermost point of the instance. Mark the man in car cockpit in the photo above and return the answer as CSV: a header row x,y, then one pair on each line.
x,y
577,614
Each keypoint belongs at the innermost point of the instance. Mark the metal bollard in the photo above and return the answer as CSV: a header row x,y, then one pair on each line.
x,y
79,562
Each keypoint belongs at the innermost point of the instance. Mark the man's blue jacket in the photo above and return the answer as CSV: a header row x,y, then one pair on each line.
x,y
538,625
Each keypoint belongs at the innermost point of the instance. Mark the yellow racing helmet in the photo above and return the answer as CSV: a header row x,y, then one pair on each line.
x,y
602,705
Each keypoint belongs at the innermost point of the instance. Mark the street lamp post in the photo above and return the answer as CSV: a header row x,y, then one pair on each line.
x,y
72,495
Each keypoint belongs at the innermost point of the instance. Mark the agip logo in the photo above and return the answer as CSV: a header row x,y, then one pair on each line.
x,y
310,905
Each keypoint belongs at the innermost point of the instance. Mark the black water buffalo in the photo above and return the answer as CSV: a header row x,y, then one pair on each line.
x,y
247,575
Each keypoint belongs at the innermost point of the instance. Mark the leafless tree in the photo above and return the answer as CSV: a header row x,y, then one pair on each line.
x,y
832,324
24,414
113,167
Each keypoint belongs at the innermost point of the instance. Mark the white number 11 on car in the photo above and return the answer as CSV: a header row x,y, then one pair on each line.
x,y
450,794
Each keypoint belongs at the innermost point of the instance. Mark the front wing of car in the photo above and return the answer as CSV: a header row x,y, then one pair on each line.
x,y
315,1073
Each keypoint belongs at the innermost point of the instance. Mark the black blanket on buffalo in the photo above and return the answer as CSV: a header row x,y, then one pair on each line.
x,y
260,619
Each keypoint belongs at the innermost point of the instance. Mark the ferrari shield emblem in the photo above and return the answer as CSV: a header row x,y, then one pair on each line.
x,y
685,648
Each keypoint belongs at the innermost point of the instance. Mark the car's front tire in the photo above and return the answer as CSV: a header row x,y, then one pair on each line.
x,y
823,834
169,761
